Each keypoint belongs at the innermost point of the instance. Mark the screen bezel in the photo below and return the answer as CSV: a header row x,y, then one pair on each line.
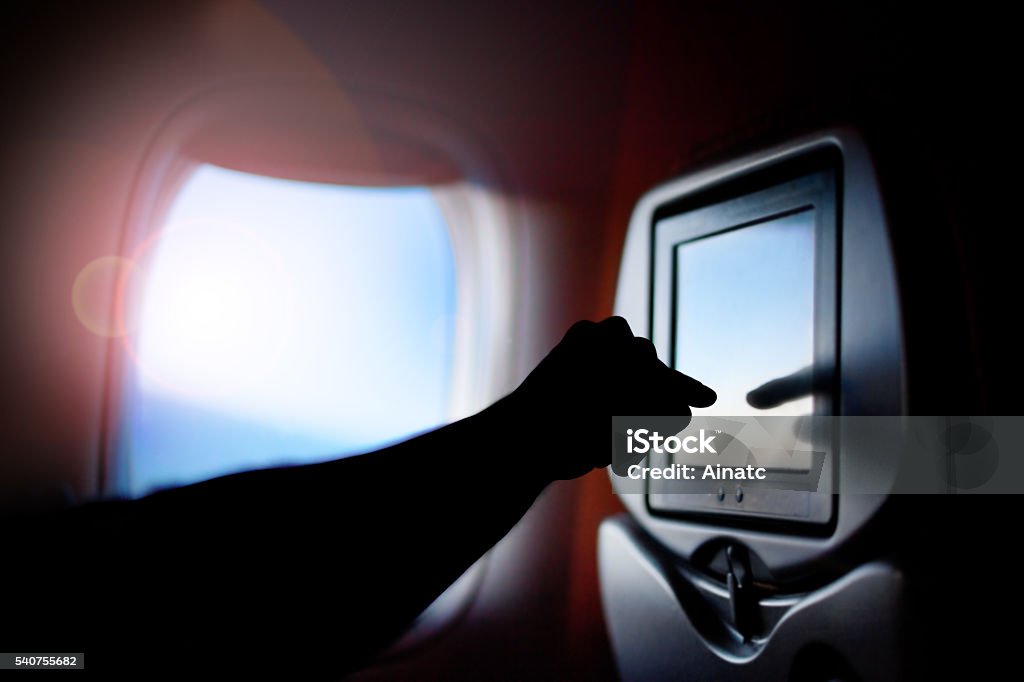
x,y
776,192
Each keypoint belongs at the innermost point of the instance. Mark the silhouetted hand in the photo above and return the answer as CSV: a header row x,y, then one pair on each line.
x,y
598,370
268,577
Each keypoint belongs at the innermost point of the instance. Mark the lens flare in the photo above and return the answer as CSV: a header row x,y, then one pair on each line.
x,y
98,295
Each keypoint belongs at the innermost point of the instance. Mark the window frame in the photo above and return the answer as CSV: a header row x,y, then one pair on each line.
x,y
481,226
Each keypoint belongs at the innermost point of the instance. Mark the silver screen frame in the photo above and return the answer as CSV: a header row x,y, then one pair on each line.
x,y
810,184
872,372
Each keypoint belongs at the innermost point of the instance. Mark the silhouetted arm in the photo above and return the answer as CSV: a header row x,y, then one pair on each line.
x,y
336,559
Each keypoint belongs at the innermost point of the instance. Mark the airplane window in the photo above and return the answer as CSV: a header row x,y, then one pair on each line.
x,y
281,322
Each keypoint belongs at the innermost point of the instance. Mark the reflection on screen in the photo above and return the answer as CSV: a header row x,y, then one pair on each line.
x,y
744,311
744,316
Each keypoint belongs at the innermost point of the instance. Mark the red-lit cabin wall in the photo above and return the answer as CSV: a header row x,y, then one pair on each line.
x,y
582,108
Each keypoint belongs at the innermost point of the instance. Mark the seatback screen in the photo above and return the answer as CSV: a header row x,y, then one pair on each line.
x,y
745,301
744,313
744,324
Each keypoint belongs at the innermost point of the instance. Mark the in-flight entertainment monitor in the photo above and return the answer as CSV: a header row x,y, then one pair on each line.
x,y
745,298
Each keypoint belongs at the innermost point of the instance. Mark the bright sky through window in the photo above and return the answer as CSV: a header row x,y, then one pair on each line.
x,y
284,322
